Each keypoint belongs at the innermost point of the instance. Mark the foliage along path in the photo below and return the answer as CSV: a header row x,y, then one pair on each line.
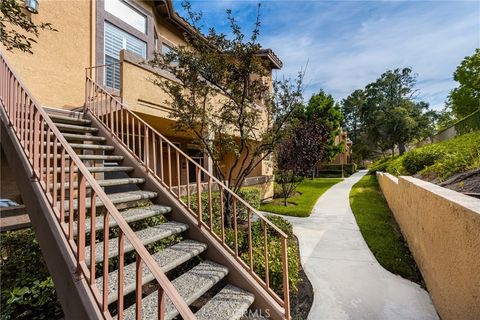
x,y
347,280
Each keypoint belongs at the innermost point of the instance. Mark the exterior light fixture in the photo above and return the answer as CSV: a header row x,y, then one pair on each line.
x,y
31,6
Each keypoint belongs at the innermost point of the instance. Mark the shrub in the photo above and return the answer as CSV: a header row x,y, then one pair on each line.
x,y
396,167
435,161
27,288
419,159
274,246
380,165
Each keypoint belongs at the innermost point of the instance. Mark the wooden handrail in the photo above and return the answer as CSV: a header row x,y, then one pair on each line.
x,y
32,126
146,144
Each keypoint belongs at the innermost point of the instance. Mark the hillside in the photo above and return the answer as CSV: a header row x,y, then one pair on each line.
x,y
454,164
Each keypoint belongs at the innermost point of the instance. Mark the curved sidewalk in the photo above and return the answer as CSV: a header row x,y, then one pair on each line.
x,y
347,280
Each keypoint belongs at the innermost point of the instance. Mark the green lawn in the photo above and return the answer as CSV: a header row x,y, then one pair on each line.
x,y
302,204
380,230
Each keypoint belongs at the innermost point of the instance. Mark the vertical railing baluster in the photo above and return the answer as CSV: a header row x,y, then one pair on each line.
x,y
81,212
71,195
62,185
55,172
235,226
161,303
265,250
47,168
154,151
222,212
199,197
106,236
127,125
187,173
161,161
121,265
31,107
210,206
178,173
93,234
133,136
121,124
250,246
140,140
42,153
286,288
33,144
138,288
146,143
169,165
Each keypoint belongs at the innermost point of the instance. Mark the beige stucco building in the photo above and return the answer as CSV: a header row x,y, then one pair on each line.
x,y
120,32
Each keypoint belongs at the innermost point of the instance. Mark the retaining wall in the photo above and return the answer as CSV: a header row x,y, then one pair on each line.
x,y
442,228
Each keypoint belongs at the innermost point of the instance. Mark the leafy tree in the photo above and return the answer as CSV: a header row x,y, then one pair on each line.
x,y
465,99
297,154
391,116
19,35
222,97
445,118
323,108
352,108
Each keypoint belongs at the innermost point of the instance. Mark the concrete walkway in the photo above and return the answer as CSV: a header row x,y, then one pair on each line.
x,y
348,281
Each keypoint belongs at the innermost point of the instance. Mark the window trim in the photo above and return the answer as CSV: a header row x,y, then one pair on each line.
x,y
134,8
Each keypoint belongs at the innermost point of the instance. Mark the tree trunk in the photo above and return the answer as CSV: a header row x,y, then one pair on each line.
x,y
401,148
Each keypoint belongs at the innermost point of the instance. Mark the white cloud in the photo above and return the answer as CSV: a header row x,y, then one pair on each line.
x,y
432,38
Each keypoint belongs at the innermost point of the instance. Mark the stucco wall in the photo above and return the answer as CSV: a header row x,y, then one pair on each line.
x,y
55,72
442,228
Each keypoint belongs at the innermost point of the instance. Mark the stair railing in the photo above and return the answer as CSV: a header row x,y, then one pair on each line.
x,y
64,180
187,180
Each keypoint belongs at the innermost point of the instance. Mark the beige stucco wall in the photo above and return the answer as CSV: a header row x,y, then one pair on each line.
x,y
442,228
55,73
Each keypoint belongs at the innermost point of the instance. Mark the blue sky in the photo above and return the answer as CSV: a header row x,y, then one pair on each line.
x,y
348,44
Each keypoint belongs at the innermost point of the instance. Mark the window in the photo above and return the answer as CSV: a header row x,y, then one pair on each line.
x,y
127,14
115,40
166,49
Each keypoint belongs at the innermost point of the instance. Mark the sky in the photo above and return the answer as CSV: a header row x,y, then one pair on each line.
x,y
344,45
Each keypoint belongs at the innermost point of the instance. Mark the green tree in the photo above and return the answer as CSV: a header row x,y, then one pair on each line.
x,y
17,30
391,116
323,107
222,97
352,108
465,99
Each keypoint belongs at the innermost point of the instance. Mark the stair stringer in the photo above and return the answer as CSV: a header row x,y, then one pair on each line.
x,y
237,275
73,291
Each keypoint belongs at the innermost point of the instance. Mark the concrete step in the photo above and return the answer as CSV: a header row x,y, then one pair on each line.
x,y
80,137
117,198
167,259
69,119
74,128
101,169
146,236
191,285
83,137
230,303
130,215
86,146
107,183
90,157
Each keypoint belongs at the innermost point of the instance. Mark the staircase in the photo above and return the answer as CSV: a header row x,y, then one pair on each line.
x,y
125,234
195,275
